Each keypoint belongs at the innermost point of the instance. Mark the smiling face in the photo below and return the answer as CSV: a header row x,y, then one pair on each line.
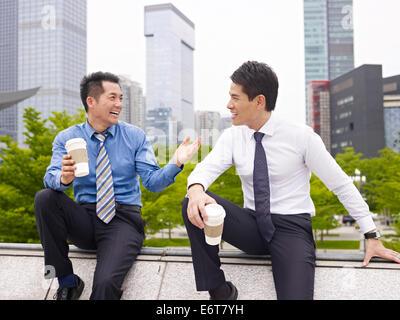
x,y
245,112
104,111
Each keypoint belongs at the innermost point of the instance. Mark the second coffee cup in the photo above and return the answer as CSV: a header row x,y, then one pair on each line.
x,y
214,226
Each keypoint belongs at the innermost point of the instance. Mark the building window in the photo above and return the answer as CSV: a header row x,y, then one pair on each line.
x,y
345,101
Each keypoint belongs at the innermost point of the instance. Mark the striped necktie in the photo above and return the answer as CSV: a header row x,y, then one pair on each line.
x,y
105,207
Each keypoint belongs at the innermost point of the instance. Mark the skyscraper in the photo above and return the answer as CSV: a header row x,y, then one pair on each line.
x,y
49,42
8,63
391,109
208,125
328,39
170,44
134,109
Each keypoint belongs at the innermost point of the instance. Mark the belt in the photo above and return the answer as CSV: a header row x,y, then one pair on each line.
x,y
127,206
117,206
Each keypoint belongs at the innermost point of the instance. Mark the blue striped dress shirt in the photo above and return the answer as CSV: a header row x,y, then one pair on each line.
x,y
131,156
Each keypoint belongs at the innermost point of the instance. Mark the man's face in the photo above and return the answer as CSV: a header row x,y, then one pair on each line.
x,y
105,110
244,112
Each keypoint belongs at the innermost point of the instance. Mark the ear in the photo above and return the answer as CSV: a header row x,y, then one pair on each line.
x,y
261,101
90,102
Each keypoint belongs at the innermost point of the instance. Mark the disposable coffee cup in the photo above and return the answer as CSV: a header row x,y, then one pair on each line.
x,y
214,226
76,148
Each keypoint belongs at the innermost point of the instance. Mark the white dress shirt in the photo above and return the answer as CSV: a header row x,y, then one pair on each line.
x,y
293,151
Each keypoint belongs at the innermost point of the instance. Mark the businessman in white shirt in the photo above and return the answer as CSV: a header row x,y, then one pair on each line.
x,y
274,159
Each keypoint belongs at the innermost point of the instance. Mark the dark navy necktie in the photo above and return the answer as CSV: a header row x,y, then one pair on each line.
x,y
261,190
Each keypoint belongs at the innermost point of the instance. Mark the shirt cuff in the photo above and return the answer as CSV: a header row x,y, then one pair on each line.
x,y
59,185
196,180
192,184
172,169
366,224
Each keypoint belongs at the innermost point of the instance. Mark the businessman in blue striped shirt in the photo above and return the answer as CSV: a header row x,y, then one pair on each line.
x,y
119,153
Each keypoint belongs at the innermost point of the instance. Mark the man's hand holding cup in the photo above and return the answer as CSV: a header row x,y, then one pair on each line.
x,y
67,170
76,162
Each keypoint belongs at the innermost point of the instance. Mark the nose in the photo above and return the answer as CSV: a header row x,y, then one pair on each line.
x,y
118,103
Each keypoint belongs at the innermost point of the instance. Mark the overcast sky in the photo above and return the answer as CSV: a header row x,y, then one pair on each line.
x,y
230,32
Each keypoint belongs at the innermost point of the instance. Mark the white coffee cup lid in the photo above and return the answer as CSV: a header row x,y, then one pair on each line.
x,y
215,210
75,141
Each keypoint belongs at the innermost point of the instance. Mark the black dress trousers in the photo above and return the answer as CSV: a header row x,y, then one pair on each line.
x,y
117,243
292,249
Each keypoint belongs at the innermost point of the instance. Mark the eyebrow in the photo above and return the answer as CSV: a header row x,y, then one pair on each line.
x,y
115,94
234,95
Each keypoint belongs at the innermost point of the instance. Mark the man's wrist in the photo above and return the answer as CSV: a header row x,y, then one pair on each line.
x,y
372,235
196,187
178,164
64,184
176,161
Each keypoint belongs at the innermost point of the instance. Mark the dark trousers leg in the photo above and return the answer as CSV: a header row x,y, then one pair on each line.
x,y
119,243
292,249
293,257
59,219
206,262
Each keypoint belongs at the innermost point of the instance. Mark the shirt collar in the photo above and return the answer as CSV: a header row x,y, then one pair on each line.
x,y
90,131
268,128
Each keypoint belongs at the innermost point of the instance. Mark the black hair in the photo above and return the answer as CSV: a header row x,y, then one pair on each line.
x,y
258,78
92,85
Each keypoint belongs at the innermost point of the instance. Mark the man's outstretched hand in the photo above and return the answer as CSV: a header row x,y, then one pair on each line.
x,y
375,248
185,152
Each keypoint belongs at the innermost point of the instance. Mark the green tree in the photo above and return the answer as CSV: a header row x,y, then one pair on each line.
x,y
326,206
229,186
22,171
326,202
382,187
349,161
163,210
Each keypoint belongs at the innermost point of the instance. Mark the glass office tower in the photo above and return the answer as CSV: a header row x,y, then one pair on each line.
x,y
170,44
50,45
8,63
391,109
340,37
328,39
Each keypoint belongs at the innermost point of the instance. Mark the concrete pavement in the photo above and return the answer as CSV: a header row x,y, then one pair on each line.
x,y
167,274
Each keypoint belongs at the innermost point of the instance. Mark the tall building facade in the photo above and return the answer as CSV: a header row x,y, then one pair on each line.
x,y
328,39
8,63
318,104
208,126
50,51
391,109
357,115
134,108
170,44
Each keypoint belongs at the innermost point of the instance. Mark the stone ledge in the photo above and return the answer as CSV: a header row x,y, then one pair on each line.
x,y
167,274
